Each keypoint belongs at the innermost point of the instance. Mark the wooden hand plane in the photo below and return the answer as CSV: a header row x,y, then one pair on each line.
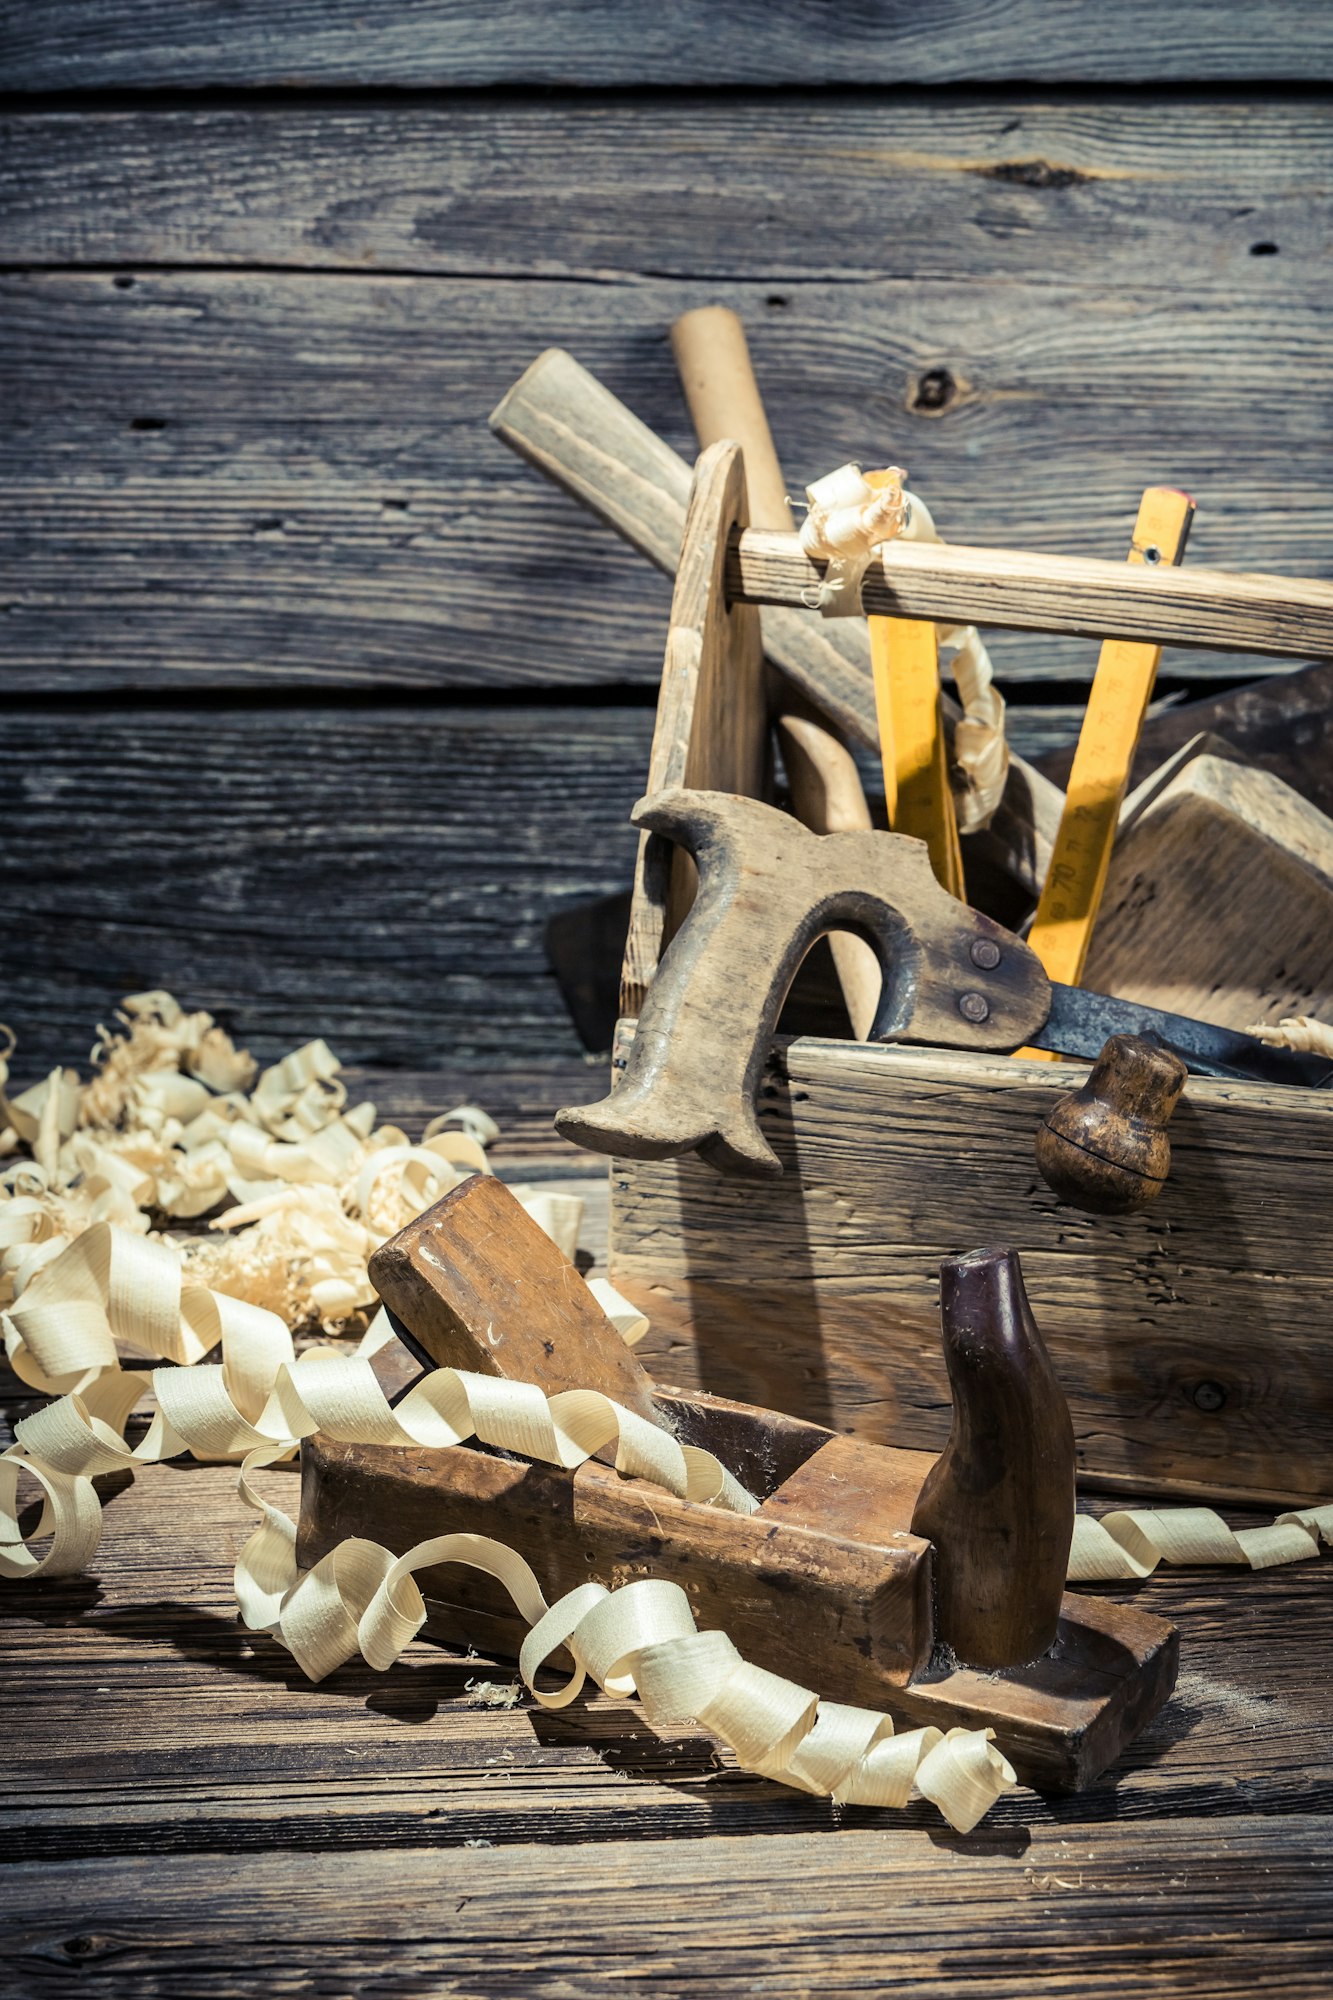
x,y
933,1588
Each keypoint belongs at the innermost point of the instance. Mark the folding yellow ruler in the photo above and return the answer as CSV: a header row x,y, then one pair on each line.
x,y
904,653
1121,690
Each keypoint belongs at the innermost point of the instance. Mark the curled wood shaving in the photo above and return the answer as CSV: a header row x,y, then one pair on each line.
x,y
111,1286
847,520
493,1694
1132,1542
1297,1031
175,1122
980,752
641,1639
628,1321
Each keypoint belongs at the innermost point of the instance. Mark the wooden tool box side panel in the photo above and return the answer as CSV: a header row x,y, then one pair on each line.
x,y
1193,1341
712,712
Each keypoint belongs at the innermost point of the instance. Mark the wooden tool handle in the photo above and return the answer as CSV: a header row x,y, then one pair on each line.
x,y
1285,617
999,1502
1105,1147
476,1284
768,889
716,373
718,378
562,420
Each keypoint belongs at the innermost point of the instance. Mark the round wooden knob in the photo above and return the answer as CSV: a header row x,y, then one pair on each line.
x,y
1105,1148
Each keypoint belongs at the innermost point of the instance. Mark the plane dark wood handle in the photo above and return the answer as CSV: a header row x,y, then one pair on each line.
x,y
999,1502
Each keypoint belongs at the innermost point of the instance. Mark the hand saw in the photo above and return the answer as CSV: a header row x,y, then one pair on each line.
x,y
768,888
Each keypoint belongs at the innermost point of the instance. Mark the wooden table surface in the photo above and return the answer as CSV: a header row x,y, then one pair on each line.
x,y
186,1814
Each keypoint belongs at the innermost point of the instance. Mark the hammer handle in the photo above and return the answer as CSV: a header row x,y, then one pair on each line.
x,y
713,357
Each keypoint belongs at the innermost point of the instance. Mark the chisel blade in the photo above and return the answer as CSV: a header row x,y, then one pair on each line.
x,y
1080,1022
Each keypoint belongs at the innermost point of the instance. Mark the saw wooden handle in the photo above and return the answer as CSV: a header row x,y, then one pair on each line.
x,y
768,889
999,1501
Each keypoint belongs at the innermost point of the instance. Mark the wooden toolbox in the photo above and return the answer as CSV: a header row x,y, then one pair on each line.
x,y
1194,1341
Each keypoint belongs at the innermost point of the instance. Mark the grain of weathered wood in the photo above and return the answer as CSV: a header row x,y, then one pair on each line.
x,y
1163,1912
1285,617
1188,1339
1175,193
377,877
1219,900
521,1097
89,44
231,478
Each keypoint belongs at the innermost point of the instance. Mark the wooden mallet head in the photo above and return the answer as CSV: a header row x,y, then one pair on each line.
x,y
1104,1147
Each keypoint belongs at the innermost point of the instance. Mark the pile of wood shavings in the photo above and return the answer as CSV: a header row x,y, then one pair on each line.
x,y
176,1120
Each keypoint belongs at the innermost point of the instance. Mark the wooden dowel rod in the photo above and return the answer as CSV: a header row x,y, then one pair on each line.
x,y
1283,617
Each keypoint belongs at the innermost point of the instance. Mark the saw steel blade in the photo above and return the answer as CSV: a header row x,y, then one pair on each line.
x,y
1080,1022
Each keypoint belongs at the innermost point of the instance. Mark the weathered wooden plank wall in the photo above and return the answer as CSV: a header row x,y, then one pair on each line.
x,y
78,43
249,507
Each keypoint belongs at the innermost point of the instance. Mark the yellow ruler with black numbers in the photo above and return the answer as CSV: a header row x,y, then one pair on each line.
x,y
904,653
1121,690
